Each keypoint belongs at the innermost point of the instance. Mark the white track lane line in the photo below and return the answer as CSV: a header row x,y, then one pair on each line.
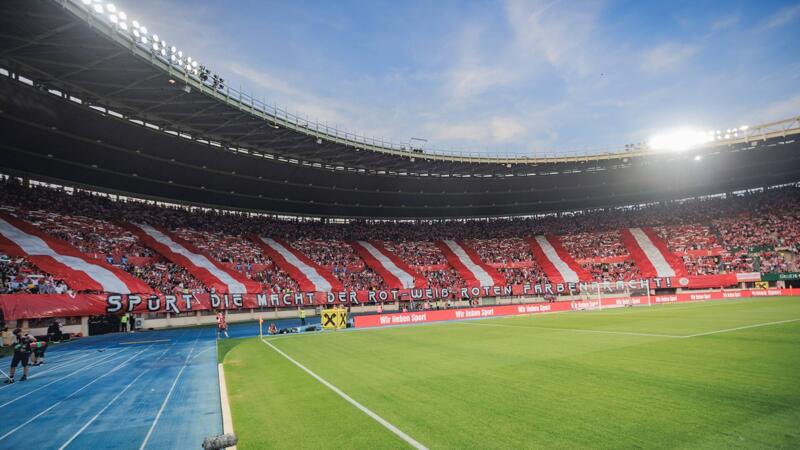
x,y
201,352
576,330
111,402
411,441
169,395
51,368
98,362
119,366
728,330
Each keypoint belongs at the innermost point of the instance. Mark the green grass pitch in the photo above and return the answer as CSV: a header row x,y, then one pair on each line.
x,y
623,378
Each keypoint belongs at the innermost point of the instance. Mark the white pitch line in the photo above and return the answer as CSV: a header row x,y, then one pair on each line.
x,y
727,330
169,395
577,330
116,397
120,365
411,441
98,362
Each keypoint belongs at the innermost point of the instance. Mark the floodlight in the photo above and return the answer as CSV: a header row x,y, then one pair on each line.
x,y
112,18
123,25
136,24
143,29
163,52
155,37
98,8
155,46
172,58
180,54
122,15
144,40
194,63
172,49
698,158
87,2
111,8
743,127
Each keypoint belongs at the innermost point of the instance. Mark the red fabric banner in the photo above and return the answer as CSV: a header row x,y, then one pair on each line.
x,y
389,275
298,274
63,261
34,306
468,263
549,266
200,265
647,266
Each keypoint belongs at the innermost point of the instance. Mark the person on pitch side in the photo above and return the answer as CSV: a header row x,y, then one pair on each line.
x,y
38,348
222,325
123,323
22,353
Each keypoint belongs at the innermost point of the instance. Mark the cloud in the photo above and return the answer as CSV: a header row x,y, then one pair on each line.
x,y
540,35
560,32
667,57
780,110
783,17
725,22
303,103
494,130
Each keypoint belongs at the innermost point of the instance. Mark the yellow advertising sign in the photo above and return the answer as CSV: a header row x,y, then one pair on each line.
x,y
334,319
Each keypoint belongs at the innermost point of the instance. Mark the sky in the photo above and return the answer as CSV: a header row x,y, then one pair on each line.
x,y
501,77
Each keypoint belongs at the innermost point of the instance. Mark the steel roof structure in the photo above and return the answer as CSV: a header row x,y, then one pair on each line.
x,y
84,104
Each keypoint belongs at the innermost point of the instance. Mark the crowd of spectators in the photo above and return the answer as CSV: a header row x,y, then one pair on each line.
x,y
747,233
19,276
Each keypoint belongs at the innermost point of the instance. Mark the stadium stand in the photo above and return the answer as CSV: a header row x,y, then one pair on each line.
x,y
721,227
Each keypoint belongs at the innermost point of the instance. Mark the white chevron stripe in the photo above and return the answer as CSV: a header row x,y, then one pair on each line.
x,y
320,283
34,245
563,268
663,269
406,280
477,271
234,286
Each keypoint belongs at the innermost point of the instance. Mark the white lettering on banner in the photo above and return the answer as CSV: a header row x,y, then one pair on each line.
x,y
477,271
36,246
406,280
663,269
201,261
320,283
550,252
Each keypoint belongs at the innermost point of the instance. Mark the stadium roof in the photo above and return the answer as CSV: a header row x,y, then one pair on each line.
x,y
86,104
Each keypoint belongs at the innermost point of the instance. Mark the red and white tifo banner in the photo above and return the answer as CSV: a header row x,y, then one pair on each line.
x,y
63,261
651,253
396,273
36,306
381,320
212,273
556,262
310,276
469,265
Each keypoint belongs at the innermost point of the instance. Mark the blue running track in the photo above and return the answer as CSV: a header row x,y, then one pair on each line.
x,y
151,389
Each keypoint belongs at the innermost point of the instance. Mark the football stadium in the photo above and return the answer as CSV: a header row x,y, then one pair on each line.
x,y
187,265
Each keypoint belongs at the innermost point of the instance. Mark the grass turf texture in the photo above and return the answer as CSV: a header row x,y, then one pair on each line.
x,y
533,381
